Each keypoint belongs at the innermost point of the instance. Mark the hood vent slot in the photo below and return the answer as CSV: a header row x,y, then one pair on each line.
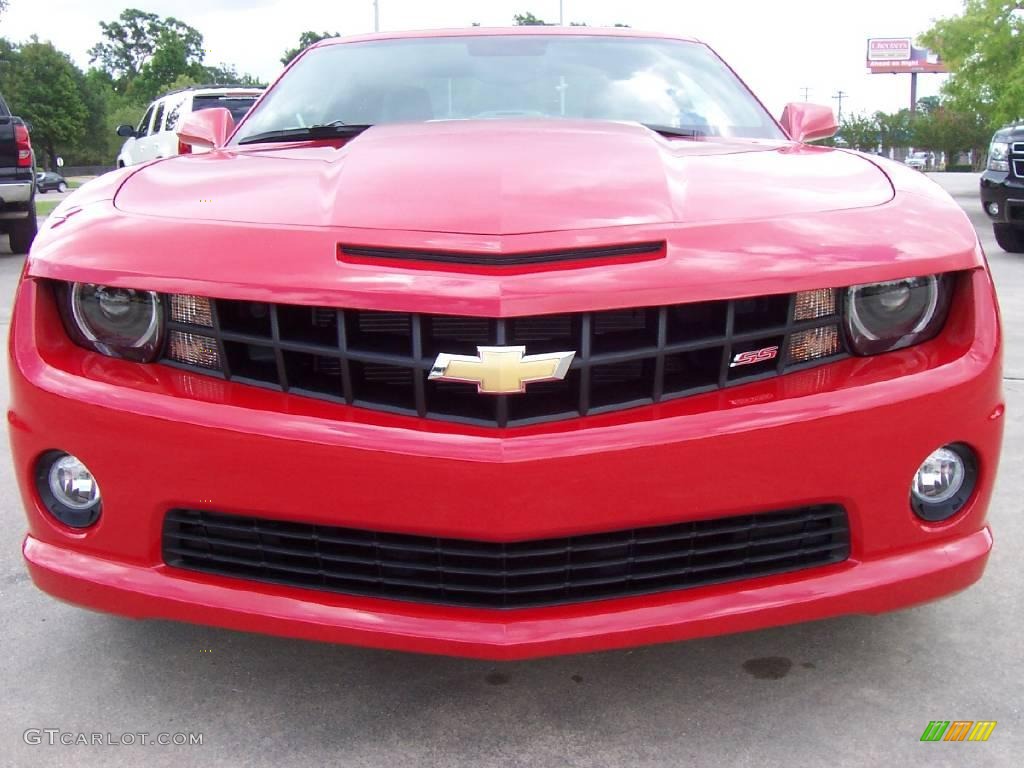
x,y
360,253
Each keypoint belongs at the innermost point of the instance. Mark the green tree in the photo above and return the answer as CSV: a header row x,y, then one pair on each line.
x,y
171,59
528,20
859,132
893,129
984,49
42,85
951,131
227,74
137,40
306,39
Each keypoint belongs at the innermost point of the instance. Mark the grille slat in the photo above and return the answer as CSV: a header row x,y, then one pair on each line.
x,y
624,358
506,575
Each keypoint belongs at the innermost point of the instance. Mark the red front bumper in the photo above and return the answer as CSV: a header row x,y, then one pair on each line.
x,y
851,433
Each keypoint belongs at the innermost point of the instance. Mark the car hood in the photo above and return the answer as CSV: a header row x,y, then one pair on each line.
x,y
504,177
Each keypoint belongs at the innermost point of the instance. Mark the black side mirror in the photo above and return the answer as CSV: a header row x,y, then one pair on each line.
x,y
126,131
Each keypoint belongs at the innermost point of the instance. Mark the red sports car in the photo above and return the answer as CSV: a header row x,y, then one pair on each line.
x,y
506,343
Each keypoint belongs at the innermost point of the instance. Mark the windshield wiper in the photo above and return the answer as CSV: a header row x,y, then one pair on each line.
x,y
326,131
669,130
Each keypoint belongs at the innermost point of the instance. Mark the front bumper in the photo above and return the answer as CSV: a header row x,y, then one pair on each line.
x,y
148,592
1006,190
851,433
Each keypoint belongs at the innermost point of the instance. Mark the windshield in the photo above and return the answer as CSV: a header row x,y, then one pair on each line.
x,y
659,82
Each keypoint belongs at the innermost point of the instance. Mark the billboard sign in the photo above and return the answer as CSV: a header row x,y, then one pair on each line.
x,y
889,49
893,55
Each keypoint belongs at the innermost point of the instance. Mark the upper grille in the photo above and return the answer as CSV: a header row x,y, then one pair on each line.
x,y
1017,149
515,575
624,358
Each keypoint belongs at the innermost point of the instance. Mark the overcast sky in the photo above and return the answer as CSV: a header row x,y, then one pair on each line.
x,y
778,47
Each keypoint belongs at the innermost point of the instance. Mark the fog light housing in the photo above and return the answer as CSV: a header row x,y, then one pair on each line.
x,y
68,489
992,208
944,482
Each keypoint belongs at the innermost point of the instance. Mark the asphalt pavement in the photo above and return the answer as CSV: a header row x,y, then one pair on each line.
x,y
853,691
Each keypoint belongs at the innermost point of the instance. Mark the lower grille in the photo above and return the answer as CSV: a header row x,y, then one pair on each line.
x,y
506,575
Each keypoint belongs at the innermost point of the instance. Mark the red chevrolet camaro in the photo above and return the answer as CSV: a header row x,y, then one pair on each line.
x,y
506,343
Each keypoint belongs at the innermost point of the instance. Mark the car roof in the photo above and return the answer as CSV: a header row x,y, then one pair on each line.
x,y
219,90
547,30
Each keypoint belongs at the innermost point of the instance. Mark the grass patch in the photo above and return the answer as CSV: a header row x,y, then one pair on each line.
x,y
45,207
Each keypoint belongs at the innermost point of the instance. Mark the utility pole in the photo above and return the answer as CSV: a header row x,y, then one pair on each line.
x,y
561,13
806,91
839,96
376,15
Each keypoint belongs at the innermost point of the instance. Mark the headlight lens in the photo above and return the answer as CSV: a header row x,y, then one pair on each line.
x,y
120,322
895,314
999,156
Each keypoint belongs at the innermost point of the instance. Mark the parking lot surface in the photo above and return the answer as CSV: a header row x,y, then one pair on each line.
x,y
845,692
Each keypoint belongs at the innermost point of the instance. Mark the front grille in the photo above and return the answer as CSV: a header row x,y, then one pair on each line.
x,y
513,575
1017,149
624,357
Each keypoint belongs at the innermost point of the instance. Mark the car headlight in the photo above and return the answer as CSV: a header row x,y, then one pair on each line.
x,y
999,156
884,316
120,322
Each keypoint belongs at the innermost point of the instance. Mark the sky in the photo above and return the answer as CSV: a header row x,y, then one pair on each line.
x,y
778,47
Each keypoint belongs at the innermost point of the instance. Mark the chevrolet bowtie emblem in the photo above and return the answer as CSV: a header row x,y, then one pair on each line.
x,y
501,370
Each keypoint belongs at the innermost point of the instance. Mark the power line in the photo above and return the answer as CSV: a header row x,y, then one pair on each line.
x,y
839,96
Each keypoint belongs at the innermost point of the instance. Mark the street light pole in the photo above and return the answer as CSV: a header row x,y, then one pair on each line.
x,y
561,13
376,15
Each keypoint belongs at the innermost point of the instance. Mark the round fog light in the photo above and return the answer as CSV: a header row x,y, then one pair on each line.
x,y
68,489
944,482
993,208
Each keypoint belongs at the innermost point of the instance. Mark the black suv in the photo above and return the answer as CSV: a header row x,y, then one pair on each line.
x,y
1002,187
17,181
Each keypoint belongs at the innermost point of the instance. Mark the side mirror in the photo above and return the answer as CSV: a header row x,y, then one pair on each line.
x,y
807,122
126,131
207,128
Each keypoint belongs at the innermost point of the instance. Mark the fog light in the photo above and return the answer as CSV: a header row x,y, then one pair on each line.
x,y
992,208
944,482
68,489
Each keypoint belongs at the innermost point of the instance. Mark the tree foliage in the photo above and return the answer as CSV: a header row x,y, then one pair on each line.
x,y
859,131
528,20
946,129
306,39
893,129
137,40
984,48
43,86
74,113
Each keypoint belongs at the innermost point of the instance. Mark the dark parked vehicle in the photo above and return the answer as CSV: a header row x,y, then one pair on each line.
x,y
47,181
1002,187
17,181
